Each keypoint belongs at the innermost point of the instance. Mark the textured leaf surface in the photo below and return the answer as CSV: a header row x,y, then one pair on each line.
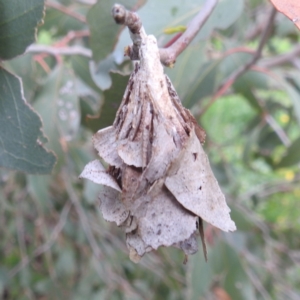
x,y
19,20
20,134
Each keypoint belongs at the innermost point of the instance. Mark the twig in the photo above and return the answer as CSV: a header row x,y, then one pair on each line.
x,y
55,51
168,56
66,11
130,19
88,2
281,59
296,63
46,246
71,35
239,72
278,130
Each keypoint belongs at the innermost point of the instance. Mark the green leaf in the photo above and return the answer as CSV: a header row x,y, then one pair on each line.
x,y
292,92
60,24
20,135
187,67
81,67
225,260
234,61
292,155
199,284
113,98
104,30
38,189
25,67
204,84
19,20
268,140
222,17
58,106
100,72
249,81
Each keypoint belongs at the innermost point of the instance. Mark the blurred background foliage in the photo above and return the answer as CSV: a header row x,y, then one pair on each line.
x,y
54,243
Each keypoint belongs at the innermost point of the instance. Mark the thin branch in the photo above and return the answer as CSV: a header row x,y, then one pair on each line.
x,y
296,63
130,19
239,72
168,56
56,51
71,35
88,2
278,130
66,11
281,59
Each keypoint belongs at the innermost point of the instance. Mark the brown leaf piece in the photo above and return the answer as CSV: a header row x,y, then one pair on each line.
x,y
159,183
290,8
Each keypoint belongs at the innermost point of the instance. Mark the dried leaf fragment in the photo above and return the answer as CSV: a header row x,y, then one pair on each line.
x,y
191,181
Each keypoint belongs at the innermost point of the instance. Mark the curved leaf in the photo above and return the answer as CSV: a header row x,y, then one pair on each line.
x,y
204,84
112,101
19,20
20,134
58,105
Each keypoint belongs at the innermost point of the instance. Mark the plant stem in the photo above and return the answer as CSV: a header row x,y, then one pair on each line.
x,y
167,55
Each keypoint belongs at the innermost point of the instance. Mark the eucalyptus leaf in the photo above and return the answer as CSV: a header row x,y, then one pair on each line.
x,y
204,84
21,137
19,20
222,17
197,284
60,23
58,105
100,72
113,98
187,67
81,66
235,281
